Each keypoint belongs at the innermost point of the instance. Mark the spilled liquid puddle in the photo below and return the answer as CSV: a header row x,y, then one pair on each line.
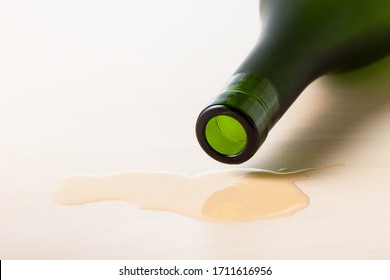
x,y
238,195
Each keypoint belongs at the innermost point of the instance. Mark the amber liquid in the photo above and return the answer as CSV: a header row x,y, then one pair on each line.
x,y
238,195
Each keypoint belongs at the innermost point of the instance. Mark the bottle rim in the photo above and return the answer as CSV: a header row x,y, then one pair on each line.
x,y
252,135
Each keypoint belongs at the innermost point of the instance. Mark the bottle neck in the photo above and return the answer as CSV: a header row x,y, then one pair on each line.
x,y
237,121
286,67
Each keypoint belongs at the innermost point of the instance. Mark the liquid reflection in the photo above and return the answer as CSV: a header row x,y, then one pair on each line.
x,y
257,195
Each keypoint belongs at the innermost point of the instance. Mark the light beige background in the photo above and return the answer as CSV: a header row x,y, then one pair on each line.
x,y
97,87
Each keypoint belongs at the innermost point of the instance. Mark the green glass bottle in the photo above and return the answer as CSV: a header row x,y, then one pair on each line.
x,y
300,41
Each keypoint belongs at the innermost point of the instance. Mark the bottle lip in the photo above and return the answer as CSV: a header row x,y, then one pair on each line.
x,y
253,142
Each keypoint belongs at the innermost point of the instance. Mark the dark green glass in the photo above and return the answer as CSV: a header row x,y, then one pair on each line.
x,y
301,41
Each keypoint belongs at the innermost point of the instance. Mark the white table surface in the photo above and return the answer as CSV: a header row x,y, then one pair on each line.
x,y
99,87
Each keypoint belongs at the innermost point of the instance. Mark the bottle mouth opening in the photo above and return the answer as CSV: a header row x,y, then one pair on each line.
x,y
227,135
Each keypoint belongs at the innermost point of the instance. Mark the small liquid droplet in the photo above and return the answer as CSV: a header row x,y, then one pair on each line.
x,y
234,195
281,170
